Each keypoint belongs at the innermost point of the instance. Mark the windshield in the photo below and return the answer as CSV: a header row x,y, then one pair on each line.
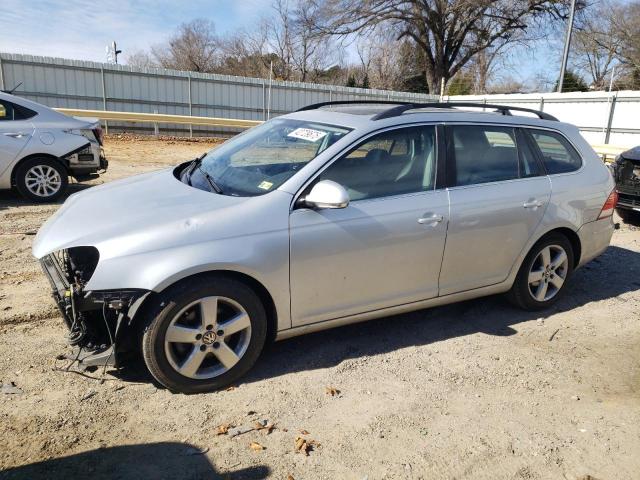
x,y
263,158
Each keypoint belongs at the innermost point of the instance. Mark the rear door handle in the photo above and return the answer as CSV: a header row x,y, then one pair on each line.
x,y
430,220
15,134
533,204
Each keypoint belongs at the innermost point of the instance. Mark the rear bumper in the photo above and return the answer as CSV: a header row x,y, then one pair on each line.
x,y
88,162
595,238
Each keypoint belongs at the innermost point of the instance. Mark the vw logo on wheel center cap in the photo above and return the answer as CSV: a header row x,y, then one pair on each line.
x,y
209,337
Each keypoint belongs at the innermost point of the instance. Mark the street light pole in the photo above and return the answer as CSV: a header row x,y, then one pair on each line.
x,y
567,43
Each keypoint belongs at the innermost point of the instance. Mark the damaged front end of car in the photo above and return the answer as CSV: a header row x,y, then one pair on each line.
x,y
97,320
627,177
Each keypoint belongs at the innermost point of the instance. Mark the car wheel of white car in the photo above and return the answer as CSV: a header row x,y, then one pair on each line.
x,y
41,179
544,273
203,337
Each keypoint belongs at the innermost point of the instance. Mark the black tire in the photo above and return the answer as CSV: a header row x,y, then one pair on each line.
x,y
173,301
46,164
520,294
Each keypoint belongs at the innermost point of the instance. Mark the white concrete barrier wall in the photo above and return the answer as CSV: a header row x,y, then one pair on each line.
x,y
589,111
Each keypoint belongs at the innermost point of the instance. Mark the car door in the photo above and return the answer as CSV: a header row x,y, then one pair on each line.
x,y
15,133
498,194
385,248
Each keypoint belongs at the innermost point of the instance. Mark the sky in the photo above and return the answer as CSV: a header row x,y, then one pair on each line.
x,y
81,29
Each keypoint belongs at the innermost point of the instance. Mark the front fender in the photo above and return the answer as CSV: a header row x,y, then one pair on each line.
x,y
264,257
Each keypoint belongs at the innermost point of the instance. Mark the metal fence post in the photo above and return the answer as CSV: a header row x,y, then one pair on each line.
x,y
541,107
104,99
2,87
612,109
190,109
156,130
264,102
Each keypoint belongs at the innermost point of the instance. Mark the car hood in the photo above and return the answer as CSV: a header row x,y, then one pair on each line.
x,y
139,213
632,154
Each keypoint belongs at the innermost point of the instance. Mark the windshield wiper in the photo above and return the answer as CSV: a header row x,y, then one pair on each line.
x,y
196,165
210,179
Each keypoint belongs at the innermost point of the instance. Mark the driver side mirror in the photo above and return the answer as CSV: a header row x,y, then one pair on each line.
x,y
327,194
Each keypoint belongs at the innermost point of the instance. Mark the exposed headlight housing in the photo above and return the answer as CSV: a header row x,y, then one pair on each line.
x,y
81,263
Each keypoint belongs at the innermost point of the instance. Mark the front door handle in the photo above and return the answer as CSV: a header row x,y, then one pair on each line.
x,y
533,204
15,134
430,220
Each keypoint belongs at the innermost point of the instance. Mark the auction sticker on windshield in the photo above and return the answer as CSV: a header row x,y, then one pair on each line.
x,y
307,134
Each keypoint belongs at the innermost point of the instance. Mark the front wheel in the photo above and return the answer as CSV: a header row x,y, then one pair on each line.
x,y
544,273
203,338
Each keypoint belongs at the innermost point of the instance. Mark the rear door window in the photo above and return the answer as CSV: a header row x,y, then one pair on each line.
x,y
557,153
482,154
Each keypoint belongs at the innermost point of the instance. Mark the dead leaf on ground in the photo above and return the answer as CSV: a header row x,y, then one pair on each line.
x,y
266,426
256,447
332,391
223,429
304,432
290,477
305,446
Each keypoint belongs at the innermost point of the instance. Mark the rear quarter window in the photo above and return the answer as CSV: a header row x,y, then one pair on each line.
x,y
558,155
11,111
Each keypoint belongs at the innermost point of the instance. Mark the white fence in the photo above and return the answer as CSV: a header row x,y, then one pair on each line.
x,y
603,118
76,84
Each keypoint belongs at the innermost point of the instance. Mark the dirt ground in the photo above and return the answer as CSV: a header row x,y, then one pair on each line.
x,y
476,390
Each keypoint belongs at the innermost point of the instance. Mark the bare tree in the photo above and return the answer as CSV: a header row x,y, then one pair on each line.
x,y
597,43
194,47
301,50
246,53
449,32
140,59
382,58
628,30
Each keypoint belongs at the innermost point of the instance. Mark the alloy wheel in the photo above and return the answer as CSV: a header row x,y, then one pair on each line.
x,y
43,180
208,337
548,273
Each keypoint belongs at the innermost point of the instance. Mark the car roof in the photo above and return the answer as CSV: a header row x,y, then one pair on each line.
x,y
363,117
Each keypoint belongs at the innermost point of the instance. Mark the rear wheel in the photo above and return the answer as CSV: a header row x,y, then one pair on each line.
x,y
544,273
204,338
41,179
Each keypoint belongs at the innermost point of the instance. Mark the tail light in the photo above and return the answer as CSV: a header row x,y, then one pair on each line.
x,y
98,133
609,205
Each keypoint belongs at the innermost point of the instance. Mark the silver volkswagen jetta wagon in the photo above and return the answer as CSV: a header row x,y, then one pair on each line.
x,y
333,214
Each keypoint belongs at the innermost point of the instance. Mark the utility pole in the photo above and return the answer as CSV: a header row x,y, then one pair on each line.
x,y
567,43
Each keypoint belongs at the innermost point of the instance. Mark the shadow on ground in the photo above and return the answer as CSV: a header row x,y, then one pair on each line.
x,y
11,198
609,276
167,460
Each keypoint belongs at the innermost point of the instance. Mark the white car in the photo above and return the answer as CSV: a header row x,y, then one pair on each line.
x,y
41,148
